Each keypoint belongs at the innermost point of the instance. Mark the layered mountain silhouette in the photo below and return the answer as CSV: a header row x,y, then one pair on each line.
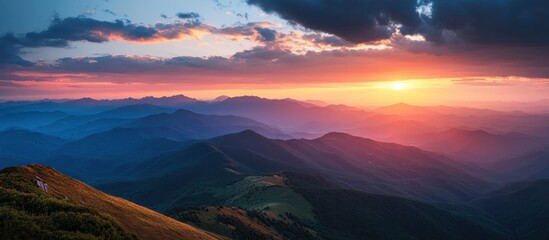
x,y
107,153
533,165
80,126
199,126
285,113
22,146
478,145
349,161
255,168
29,119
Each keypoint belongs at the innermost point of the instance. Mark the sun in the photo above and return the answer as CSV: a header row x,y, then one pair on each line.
x,y
398,86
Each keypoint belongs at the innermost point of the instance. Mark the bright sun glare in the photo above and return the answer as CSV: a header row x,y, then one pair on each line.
x,y
398,86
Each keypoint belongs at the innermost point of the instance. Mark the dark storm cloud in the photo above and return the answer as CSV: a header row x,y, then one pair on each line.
x,y
187,15
511,22
356,21
11,45
508,22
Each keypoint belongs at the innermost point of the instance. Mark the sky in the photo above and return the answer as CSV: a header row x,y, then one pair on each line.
x,y
357,52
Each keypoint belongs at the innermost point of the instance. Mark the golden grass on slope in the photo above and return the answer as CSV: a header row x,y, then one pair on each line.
x,y
145,223
208,220
241,215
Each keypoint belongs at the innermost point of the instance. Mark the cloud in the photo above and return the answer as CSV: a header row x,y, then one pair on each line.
x,y
91,30
501,22
272,63
491,22
277,55
328,40
267,35
480,82
356,21
4,83
11,45
262,53
187,15
63,31
258,31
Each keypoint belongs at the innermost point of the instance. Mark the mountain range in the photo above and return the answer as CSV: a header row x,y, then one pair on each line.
x,y
256,168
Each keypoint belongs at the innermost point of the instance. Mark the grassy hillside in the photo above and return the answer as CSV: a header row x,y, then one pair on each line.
x,y
295,206
71,206
26,212
244,224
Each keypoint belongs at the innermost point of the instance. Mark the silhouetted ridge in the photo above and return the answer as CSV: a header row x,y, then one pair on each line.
x,y
243,135
244,99
340,136
337,135
184,112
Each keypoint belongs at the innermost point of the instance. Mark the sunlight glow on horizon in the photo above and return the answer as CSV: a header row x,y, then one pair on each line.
x,y
398,86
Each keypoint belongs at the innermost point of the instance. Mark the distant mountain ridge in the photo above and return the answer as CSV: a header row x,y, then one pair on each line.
x,y
22,146
349,161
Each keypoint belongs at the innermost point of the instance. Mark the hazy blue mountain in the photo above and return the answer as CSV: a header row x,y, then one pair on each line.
x,y
93,127
29,119
72,125
285,113
106,154
477,145
533,165
200,126
21,146
67,106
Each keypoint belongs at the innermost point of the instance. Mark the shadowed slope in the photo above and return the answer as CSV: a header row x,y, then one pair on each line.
x,y
522,207
530,166
365,164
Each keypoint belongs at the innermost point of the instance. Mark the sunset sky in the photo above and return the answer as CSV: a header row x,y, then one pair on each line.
x,y
358,52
